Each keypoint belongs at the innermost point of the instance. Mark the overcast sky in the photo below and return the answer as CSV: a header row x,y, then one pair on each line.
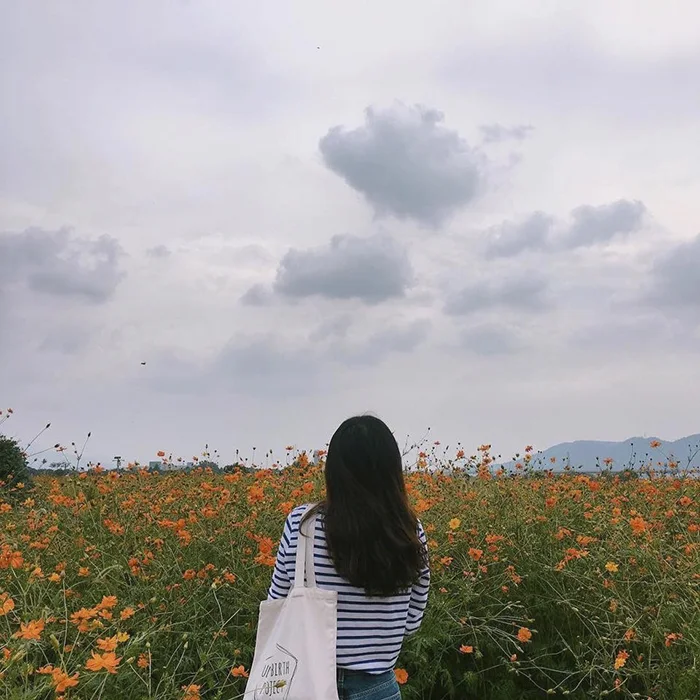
x,y
481,218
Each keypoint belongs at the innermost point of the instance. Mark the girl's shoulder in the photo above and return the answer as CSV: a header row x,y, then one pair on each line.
x,y
296,515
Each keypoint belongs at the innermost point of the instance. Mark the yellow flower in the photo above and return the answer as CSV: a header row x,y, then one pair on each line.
x,y
612,567
455,523
621,659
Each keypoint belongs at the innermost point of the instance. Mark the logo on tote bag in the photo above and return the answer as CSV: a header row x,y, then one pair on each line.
x,y
278,672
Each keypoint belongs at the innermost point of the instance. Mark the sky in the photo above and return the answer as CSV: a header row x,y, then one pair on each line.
x,y
480,219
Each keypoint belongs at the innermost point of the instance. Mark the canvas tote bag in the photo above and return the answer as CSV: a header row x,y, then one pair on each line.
x,y
295,645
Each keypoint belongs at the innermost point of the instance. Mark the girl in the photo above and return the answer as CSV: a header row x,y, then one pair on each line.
x,y
370,547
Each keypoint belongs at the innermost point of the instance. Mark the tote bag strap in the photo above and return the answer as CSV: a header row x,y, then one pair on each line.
x,y
304,563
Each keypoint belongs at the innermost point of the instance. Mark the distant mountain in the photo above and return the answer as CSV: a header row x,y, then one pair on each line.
x,y
590,455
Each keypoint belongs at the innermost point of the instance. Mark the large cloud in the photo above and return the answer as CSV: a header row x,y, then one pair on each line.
x,y
405,162
589,225
521,294
57,263
371,269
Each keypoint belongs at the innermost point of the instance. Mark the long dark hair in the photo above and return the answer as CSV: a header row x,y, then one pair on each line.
x,y
371,530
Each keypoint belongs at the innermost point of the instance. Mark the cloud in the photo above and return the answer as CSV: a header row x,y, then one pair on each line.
x,y
524,294
489,340
406,163
379,345
336,328
371,269
159,252
495,133
511,238
676,277
601,224
59,264
589,226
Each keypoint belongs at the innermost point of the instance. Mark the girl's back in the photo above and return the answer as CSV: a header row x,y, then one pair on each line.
x,y
371,629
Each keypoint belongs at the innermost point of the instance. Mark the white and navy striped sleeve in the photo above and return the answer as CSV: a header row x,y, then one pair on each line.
x,y
419,591
281,583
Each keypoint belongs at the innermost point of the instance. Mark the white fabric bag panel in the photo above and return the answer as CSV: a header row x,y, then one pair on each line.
x,y
295,645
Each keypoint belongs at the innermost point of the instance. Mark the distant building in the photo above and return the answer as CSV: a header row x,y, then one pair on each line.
x,y
175,466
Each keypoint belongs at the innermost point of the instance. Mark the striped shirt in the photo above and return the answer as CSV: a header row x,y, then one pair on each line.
x,y
371,630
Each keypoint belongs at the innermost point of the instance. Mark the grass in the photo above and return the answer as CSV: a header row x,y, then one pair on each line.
x,y
147,585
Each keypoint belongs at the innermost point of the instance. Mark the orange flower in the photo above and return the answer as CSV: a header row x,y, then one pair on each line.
x,y
126,613
524,635
143,661
103,662
239,672
285,507
638,525
670,638
6,604
255,494
108,602
476,554
30,630
191,692
10,559
401,675
465,649
621,659
110,643
62,681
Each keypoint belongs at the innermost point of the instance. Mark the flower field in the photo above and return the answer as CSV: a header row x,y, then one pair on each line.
x,y
146,585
